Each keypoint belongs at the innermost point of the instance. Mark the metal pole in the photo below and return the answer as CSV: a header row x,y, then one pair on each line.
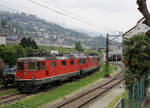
x,y
116,57
133,96
106,60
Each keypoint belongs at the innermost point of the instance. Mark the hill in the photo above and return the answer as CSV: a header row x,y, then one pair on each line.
x,y
22,24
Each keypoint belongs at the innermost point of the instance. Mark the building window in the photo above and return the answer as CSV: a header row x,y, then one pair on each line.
x,y
63,63
72,62
53,64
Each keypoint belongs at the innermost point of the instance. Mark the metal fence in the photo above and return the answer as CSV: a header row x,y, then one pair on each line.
x,y
120,104
135,97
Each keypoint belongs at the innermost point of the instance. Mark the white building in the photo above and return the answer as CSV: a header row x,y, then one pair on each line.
x,y
2,39
139,28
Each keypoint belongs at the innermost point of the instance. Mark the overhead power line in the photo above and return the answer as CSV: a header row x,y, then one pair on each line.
x,y
62,13
64,10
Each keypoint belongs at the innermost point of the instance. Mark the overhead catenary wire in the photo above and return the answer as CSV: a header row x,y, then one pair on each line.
x,y
59,12
64,10
93,23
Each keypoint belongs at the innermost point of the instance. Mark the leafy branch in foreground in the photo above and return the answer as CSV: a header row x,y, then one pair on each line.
x,y
136,58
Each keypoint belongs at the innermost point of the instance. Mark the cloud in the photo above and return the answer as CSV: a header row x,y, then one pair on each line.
x,y
108,15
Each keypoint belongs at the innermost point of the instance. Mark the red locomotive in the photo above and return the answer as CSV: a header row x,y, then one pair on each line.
x,y
34,72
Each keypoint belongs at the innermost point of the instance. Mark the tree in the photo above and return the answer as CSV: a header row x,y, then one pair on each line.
x,y
136,58
24,42
78,47
144,10
28,42
30,51
11,53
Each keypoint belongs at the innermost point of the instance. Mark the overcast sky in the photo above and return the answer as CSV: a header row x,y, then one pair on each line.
x,y
104,15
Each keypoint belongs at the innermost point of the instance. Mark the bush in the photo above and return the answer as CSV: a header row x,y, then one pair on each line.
x,y
136,56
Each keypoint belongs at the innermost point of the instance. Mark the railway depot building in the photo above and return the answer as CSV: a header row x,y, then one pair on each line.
x,y
139,28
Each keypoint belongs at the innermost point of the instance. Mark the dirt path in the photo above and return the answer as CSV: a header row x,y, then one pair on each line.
x,y
108,97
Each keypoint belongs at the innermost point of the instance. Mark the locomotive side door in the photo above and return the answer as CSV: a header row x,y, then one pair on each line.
x,y
53,68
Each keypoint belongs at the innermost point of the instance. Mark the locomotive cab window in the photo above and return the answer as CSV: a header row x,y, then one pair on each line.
x,y
91,59
88,59
38,66
72,62
43,65
81,61
20,66
53,64
31,65
63,63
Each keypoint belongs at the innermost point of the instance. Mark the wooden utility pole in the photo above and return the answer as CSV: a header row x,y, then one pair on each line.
x,y
106,57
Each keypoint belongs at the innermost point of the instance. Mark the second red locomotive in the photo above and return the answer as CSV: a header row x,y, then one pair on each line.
x,y
34,72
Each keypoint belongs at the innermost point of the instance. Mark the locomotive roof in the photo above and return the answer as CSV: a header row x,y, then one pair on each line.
x,y
32,58
51,58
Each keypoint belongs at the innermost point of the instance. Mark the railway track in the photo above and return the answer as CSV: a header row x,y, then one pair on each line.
x,y
86,97
2,89
11,98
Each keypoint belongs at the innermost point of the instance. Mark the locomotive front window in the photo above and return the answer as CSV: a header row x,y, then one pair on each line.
x,y
20,66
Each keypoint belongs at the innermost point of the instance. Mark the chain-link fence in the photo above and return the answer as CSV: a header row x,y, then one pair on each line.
x,y
135,97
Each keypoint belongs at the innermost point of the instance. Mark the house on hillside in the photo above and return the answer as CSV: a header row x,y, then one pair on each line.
x,y
139,28
2,39
12,39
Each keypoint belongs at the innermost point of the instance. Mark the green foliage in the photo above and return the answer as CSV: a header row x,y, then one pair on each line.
x,y
136,58
11,53
28,42
78,47
30,51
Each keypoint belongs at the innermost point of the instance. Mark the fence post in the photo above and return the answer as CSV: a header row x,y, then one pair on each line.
x,y
128,101
143,87
133,96
138,94
141,91
122,103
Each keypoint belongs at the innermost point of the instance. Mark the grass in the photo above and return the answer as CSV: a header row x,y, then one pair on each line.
x,y
116,100
7,92
61,91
